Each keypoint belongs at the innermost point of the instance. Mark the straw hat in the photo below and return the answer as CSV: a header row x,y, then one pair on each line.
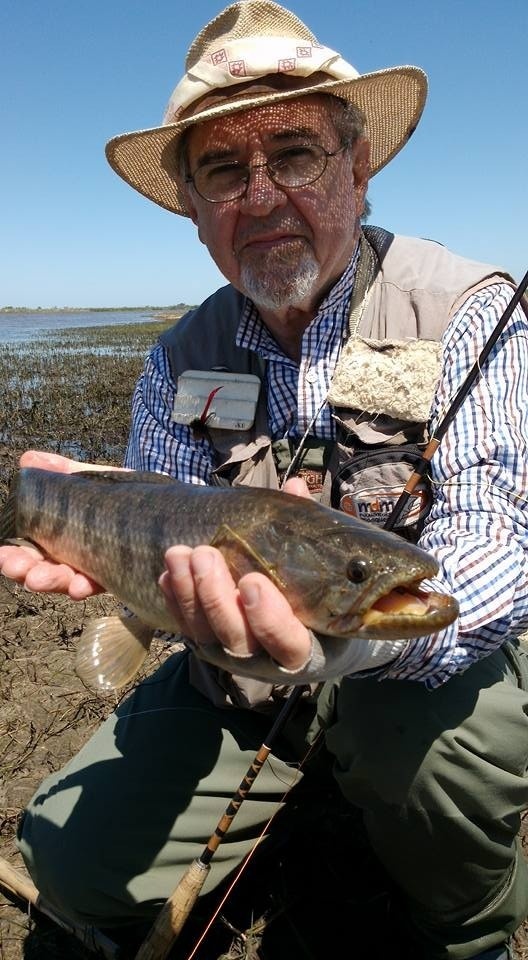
x,y
256,52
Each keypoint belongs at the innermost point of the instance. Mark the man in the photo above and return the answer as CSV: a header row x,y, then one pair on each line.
x,y
268,144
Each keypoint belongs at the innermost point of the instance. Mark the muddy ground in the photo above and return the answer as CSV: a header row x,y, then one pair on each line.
x,y
70,393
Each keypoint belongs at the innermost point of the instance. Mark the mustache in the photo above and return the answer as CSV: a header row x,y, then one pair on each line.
x,y
295,229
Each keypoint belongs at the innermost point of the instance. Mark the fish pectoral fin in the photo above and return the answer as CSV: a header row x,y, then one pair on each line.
x,y
111,651
241,557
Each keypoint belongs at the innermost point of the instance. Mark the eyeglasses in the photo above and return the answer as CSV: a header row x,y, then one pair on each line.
x,y
291,167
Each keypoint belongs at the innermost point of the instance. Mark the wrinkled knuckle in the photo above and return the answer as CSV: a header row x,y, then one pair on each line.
x,y
186,608
214,608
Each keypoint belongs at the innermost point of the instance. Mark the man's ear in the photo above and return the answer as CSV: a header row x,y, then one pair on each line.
x,y
362,162
361,173
185,189
191,209
193,213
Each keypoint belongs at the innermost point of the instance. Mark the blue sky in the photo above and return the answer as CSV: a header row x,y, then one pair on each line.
x,y
74,73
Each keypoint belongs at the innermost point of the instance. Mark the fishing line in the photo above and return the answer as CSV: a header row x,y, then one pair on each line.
x,y
482,487
454,407
446,403
172,917
299,451
254,848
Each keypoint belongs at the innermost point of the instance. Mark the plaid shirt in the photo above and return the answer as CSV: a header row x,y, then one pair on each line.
x,y
477,528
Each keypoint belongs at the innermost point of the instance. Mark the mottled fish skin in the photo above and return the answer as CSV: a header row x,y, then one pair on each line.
x,y
115,527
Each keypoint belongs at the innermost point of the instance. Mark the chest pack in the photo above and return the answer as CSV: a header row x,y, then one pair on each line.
x,y
368,483
362,481
381,393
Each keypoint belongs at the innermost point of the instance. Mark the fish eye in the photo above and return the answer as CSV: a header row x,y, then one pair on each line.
x,y
357,570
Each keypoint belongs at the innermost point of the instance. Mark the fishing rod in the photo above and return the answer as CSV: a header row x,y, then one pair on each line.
x,y
175,911
177,908
454,407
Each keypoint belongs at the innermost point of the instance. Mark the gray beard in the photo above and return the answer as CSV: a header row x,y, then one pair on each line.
x,y
276,282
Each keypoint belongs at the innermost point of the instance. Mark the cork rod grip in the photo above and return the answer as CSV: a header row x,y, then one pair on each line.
x,y
173,914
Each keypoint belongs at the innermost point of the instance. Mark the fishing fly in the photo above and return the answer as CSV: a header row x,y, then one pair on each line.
x,y
199,426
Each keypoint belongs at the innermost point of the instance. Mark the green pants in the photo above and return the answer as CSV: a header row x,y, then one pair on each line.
x,y
441,778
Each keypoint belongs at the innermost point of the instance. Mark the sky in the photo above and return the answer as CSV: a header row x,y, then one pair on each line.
x,y
74,73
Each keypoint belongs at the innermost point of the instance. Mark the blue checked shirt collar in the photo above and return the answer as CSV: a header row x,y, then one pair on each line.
x,y
296,390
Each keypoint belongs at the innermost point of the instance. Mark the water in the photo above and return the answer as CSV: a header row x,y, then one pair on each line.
x,y
32,325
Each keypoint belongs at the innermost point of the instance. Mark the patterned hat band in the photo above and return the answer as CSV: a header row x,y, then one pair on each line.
x,y
241,60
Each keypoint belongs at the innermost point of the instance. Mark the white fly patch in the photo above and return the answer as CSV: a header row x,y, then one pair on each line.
x,y
216,399
393,377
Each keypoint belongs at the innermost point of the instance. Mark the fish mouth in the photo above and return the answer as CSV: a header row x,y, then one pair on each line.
x,y
405,612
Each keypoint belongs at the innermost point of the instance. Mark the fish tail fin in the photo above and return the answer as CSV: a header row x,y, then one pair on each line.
x,y
111,651
8,517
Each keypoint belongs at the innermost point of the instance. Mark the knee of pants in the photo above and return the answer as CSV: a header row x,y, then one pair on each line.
x,y
396,743
57,862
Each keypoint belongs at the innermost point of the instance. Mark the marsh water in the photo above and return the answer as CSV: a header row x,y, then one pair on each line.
x,y
21,326
68,388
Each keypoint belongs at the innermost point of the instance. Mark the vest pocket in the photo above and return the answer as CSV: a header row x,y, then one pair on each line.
x,y
367,484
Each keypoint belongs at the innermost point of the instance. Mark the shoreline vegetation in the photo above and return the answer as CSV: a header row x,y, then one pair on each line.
x,y
172,313
175,308
69,391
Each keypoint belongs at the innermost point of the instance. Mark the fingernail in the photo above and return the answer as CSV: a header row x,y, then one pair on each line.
x,y
177,562
250,594
202,562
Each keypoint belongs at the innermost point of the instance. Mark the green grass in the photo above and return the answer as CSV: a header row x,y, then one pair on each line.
x,y
69,391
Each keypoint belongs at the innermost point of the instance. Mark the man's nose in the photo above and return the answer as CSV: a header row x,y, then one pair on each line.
x,y
262,194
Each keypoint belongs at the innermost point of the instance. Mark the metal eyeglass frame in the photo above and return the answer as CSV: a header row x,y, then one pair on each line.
x,y
276,155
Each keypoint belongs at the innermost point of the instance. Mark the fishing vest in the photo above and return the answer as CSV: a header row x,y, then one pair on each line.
x,y
405,292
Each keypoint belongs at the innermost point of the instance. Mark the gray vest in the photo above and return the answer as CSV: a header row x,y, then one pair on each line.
x,y
412,289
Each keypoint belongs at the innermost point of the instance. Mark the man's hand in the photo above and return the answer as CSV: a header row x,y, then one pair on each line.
x,y
245,618
27,564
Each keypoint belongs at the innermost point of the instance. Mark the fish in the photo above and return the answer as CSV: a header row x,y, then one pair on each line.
x,y
344,578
